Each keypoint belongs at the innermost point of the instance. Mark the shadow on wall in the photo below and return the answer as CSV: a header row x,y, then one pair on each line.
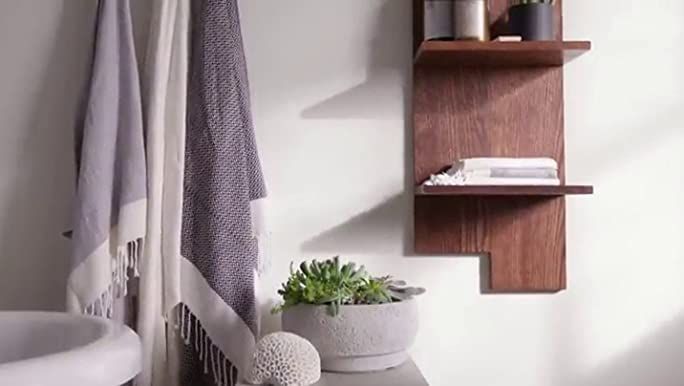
x,y
390,62
655,360
269,322
35,255
374,231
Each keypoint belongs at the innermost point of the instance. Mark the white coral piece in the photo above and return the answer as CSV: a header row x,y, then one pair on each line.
x,y
285,359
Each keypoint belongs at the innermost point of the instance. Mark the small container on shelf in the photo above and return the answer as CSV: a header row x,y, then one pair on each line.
x,y
471,20
439,20
533,19
508,39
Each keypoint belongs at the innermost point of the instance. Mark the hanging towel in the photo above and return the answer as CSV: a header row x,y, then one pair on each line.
x,y
222,192
165,94
110,205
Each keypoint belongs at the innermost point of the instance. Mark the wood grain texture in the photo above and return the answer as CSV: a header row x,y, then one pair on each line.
x,y
462,112
499,54
498,190
524,237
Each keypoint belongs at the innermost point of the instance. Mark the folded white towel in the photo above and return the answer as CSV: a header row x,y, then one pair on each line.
x,y
512,181
499,171
493,162
508,172
446,179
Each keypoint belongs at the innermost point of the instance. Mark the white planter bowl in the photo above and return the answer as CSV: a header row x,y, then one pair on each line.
x,y
361,338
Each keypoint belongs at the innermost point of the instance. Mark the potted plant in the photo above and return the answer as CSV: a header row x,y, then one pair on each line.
x,y
356,321
532,19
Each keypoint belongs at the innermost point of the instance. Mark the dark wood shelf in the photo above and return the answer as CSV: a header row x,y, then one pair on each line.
x,y
492,99
499,54
508,190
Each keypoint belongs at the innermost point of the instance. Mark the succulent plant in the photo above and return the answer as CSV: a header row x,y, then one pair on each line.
x,y
332,284
400,291
373,291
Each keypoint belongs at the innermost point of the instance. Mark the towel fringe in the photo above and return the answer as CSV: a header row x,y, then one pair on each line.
x,y
194,335
124,263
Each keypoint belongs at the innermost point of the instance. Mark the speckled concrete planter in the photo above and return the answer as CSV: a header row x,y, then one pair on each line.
x,y
361,338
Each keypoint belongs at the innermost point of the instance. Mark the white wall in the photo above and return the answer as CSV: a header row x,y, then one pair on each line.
x,y
331,82
46,49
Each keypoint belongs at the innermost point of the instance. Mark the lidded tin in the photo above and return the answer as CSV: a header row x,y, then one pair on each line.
x,y
471,20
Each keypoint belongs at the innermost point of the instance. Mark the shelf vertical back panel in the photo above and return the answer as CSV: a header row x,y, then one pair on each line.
x,y
462,112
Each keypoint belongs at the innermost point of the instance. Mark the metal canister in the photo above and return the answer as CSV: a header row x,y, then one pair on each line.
x,y
439,23
471,20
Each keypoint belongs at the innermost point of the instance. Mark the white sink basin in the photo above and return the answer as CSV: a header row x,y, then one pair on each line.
x,y
55,349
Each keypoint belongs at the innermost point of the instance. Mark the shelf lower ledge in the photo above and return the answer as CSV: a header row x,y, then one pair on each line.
x,y
503,190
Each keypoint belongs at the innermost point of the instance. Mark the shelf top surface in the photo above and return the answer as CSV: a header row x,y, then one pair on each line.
x,y
503,190
500,54
407,374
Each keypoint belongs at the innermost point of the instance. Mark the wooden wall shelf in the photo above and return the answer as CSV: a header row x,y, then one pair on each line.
x,y
478,99
498,190
499,54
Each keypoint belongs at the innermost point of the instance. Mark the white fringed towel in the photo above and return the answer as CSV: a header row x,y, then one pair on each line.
x,y
165,85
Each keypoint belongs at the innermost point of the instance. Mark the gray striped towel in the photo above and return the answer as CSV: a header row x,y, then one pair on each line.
x,y
111,195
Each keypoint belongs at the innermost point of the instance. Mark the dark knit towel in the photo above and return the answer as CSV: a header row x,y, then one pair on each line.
x,y
222,169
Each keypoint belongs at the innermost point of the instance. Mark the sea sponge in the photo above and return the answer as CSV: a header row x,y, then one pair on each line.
x,y
285,359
